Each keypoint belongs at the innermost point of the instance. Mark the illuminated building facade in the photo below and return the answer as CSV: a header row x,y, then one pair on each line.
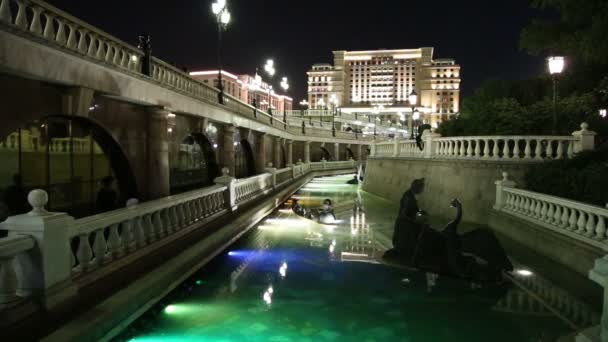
x,y
247,88
380,81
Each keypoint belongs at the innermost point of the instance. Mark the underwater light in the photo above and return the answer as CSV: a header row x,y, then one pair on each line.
x,y
170,309
524,272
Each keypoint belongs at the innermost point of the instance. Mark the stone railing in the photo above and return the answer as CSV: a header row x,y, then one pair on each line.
x,y
502,148
581,221
248,188
46,253
10,248
283,176
68,32
43,22
116,233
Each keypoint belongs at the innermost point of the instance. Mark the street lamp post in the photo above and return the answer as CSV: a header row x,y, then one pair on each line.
x,y
269,68
285,86
556,66
416,117
222,15
333,100
321,103
413,100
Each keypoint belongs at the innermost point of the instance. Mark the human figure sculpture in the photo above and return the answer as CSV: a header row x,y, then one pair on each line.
x,y
473,255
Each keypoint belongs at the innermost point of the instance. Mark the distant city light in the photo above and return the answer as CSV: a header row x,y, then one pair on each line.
x,y
170,115
214,145
603,113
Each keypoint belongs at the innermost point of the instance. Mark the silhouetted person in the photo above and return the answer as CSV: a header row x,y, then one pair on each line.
x,y
106,197
297,208
15,198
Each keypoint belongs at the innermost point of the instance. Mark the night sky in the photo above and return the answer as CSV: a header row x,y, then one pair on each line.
x,y
481,35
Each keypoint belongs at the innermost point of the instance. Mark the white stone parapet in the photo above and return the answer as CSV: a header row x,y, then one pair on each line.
x,y
581,221
502,148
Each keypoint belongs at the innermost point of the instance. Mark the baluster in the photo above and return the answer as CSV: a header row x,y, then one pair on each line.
x,y
543,211
5,12
565,222
109,57
486,148
574,223
61,37
127,237
509,202
477,148
72,42
525,205
117,59
557,216
495,149
537,209
549,151
187,212
174,218
84,252
505,149
207,210
550,213
100,247
100,49
200,209
115,242
92,49
538,151
560,150
36,26
149,229
527,149
462,148
21,20
165,216
159,229
82,41
181,214
570,152
139,232
601,228
516,149
470,148
49,28
590,226
124,61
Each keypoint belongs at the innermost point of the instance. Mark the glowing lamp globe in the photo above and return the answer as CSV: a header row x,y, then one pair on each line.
x,y
556,64
413,98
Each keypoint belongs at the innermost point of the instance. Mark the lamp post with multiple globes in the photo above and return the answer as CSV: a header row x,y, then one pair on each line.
x,y
413,100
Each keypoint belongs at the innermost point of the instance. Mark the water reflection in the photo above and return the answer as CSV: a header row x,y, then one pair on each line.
x,y
294,280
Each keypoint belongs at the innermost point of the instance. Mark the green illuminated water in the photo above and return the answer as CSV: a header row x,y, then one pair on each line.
x,y
292,280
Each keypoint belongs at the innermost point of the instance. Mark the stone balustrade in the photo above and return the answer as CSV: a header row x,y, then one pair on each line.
x,y
10,249
67,32
48,250
577,220
116,233
502,148
248,188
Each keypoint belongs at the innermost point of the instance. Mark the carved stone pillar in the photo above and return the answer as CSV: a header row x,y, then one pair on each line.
x,y
260,152
307,151
336,151
276,160
228,149
289,161
158,178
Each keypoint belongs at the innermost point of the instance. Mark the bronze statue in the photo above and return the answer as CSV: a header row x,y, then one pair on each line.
x,y
473,255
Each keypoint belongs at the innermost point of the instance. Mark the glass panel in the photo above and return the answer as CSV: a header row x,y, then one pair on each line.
x,y
106,197
82,185
12,195
189,168
60,166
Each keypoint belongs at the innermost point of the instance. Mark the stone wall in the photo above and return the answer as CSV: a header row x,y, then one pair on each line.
x,y
471,181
